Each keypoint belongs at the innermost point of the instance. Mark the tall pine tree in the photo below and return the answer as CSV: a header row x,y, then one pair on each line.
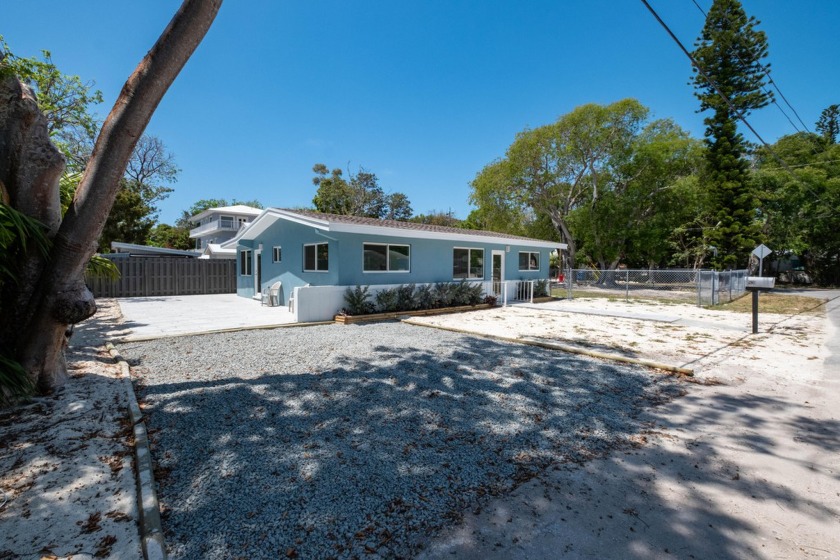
x,y
730,51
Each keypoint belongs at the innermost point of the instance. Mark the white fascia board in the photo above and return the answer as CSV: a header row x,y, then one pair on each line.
x,y
267,218
238,211
444,236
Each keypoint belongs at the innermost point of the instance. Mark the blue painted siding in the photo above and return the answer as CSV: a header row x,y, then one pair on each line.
x,y
291,237
430,260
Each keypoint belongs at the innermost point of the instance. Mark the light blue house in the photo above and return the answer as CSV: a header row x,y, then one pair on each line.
x,y
317,256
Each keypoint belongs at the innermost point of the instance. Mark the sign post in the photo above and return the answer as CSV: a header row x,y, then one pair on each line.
x,y
761,251
755,284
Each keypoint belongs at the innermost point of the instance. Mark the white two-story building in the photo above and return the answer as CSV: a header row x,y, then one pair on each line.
x,y
217,225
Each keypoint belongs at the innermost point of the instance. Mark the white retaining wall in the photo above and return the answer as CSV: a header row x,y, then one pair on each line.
x,y
323,303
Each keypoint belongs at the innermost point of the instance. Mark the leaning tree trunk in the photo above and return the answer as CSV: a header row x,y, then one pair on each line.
x,y
58,296
561,226
30,166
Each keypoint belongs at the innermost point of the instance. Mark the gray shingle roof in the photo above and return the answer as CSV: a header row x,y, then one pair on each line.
x,y
357,220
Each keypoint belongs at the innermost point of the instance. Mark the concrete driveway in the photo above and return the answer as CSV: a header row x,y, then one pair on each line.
x,y
156,317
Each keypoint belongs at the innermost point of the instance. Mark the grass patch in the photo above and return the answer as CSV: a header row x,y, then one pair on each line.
x,y
768,302
664,298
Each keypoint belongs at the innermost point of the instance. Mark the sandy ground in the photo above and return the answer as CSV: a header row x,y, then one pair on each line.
x,y
746,465
67,462
716,344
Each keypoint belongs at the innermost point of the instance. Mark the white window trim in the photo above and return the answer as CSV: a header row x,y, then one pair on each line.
x,y
529,269
251,262
469,256
274,253
305,245
387,258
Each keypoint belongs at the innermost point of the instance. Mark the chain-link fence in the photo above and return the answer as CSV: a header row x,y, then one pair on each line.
x,y
703,287
714,288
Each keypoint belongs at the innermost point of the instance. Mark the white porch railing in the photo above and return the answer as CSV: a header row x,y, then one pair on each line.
x,y
510,291
217,225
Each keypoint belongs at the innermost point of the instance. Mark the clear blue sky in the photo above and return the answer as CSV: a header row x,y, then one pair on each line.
x,y
424,94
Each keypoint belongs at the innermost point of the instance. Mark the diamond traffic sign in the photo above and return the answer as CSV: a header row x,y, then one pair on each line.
x,y
761,251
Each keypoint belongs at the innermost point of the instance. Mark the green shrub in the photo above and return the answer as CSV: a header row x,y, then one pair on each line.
x,y
406,299
358,301
460,293
444,294
474,295
424,297
541,288
466,293
387,300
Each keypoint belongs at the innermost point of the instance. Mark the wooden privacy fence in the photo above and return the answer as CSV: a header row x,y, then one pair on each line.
x,y
162,276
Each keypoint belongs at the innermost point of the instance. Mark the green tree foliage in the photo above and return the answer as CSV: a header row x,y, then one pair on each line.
x,y
64,99
632,218
398,207
601,168
800,201
171,237
829,124
730,52
130,220
361,195
436,218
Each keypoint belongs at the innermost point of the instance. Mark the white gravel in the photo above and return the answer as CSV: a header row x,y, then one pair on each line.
x,y
358,441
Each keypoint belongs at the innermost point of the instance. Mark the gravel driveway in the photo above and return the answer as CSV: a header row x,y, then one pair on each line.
x,y
345,441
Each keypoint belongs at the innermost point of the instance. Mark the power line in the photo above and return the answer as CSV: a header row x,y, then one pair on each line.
x,y
705,74
726,99
766,70
812,164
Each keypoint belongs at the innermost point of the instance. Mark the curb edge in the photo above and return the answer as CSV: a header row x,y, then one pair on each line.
x,y
151,531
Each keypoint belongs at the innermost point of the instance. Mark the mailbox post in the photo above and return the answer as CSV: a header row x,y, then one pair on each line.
x,y
755,284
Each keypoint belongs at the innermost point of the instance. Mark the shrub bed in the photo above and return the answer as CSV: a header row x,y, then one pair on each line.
x,y
409,297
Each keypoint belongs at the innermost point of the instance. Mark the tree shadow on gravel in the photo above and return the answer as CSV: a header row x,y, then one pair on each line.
x,y
281,442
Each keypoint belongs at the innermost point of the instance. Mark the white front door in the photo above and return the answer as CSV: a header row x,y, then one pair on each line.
x,y
497,273
258,272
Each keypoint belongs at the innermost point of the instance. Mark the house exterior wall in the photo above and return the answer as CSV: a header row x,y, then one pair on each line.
x,y
430,260
219,235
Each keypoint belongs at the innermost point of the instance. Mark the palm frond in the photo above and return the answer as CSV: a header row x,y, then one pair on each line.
x,y
17,233
14,383
100,267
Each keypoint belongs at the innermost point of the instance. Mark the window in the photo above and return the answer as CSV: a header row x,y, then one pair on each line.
x,y
529,260
245,263
468,263
277,254
226,222
386,258
316,257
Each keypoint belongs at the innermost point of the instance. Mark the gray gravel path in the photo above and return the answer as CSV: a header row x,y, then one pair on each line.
x,y
361,441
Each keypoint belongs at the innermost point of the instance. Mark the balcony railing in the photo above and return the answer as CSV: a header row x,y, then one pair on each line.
x,y
217,225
